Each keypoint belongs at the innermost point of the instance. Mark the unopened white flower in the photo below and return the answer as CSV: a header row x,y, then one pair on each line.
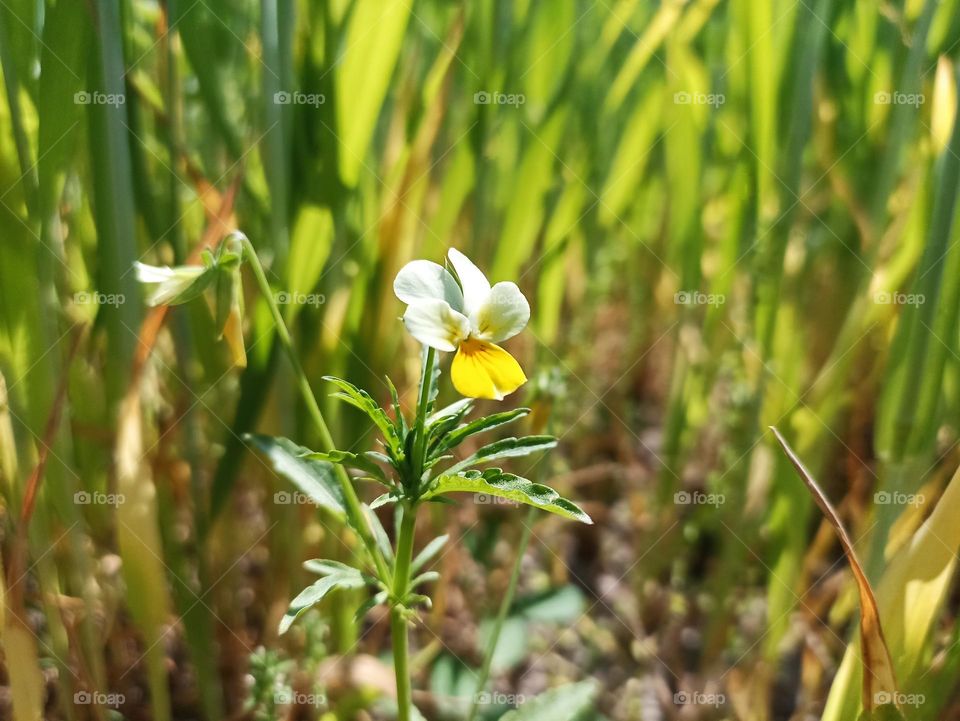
x,y
221,272
469,317
170,284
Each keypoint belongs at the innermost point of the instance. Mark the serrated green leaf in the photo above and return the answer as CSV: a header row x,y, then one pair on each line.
x,y
494,482
428,552
564,703
315,479
314,593
362,400
506,448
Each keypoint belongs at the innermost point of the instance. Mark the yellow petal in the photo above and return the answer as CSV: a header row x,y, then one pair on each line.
x,y
485,370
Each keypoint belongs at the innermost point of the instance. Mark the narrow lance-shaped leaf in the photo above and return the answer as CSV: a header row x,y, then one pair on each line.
x,y
428,577
399,422
369,605
455,438
879,681
455,409
428,552
359,461
382,500
379,533
327,567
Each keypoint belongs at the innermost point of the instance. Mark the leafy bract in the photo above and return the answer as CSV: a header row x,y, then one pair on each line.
x,y
494,482
313,478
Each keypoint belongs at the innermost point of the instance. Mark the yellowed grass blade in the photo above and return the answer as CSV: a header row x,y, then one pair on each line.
x,y
140,547
23,665
911,594
879,679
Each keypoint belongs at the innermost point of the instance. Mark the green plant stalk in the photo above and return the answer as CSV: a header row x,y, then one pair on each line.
x,y
404,554
354,509
502,613
398,621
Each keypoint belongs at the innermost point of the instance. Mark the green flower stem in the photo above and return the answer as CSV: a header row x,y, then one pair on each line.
x,y
354,509
398,620
502,613
404,554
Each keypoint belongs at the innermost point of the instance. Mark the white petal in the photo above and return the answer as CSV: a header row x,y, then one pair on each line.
x,y
476,287
504,314
169,283
421,279
434,323
152,273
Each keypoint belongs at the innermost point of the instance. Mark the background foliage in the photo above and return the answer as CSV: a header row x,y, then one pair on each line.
x,y
727,215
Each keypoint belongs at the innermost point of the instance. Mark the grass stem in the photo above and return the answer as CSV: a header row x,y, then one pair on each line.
x,y
502,613
354,509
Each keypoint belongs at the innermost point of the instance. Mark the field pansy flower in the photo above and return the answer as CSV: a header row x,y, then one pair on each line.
x,y
467,315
